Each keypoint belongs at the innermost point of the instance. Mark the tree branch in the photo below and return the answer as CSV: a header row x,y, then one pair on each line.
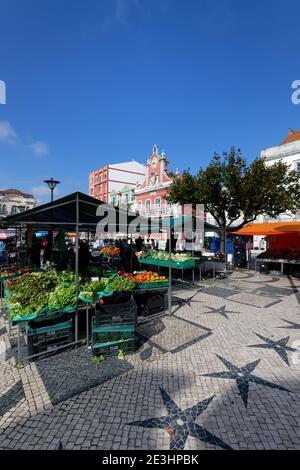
x,y
244,223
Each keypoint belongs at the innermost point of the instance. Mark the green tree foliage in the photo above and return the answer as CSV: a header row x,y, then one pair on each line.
x,y
235,192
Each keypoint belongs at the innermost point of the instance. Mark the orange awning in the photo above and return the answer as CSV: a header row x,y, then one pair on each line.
x,y
269,228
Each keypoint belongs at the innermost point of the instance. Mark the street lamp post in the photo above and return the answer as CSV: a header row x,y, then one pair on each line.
x,y
52,185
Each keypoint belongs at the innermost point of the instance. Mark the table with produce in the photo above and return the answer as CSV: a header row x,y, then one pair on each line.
x,y
162,258
37,293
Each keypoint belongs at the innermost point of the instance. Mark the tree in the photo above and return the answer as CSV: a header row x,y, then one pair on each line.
x,y
235,192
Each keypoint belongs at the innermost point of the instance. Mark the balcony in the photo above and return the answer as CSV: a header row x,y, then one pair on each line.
x,y
158,212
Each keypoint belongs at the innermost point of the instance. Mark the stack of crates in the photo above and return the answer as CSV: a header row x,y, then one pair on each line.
x,y
48,334
113,328
151,303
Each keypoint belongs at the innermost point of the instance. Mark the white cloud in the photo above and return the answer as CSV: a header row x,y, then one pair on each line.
x,y
42,193
8,135
7,132
39,148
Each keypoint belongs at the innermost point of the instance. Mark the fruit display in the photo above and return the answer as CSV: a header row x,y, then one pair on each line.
x,y
149,276
110,251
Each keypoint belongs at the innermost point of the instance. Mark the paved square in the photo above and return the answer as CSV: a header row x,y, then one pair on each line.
x,y
222,372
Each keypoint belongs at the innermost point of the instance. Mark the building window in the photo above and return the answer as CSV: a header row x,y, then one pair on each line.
x,y
157,205
168,207
14,209
298,168
139,206
148,206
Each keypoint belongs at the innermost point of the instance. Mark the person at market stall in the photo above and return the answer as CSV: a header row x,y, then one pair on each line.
x,y
83,256
99,243
62,255
35,251
139,243
2,251
71,258
173,241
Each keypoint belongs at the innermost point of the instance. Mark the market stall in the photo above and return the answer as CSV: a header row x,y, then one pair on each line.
x,y
76,212
283,242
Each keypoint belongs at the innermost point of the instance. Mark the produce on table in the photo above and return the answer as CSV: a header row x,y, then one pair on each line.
x,y
163,255
118,284
90,289
67,277
15,270
36,292
30,293
126,275
149,276
63,296
110,250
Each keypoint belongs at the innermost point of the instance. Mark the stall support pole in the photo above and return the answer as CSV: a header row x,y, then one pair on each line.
x,y
225,249
193,255
19,342
77,264
170,278
87,325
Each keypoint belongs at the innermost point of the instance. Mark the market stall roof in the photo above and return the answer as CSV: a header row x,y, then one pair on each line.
x,y
62,214
269,228
176,223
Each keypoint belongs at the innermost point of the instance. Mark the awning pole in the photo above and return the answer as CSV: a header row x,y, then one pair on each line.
x,y
77,264
170,277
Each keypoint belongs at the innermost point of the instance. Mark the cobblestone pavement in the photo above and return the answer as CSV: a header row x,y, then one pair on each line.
x,y
195,382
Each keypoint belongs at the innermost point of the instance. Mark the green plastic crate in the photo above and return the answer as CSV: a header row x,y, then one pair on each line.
x,y
110,334
152,285
190,263
113,349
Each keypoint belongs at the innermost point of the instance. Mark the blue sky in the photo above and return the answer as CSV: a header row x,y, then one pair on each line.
x,y
93,82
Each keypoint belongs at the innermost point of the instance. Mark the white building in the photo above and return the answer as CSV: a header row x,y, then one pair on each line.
x,y
288,152
13,201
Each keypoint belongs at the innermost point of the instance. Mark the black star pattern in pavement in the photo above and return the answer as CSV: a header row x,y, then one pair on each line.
x,y
11,398
292,325
219,310
280,346
243,375
181,424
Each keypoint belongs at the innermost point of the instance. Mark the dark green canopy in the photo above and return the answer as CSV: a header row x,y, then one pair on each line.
x,y
66,212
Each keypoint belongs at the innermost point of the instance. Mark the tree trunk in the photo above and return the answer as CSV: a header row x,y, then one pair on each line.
x,y
222,237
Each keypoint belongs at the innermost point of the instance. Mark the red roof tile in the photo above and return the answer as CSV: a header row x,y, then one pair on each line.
x,y
293,135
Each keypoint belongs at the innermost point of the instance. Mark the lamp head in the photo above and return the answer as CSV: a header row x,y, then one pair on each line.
x,y
52,183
